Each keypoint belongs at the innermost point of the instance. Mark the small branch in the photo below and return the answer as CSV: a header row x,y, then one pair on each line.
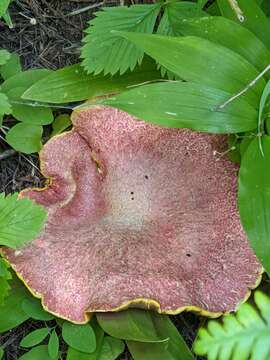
x,y
236,8
250,85
7,153
86,8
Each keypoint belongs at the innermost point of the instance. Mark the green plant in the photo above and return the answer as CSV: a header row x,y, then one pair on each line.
x,y
244,335
4,13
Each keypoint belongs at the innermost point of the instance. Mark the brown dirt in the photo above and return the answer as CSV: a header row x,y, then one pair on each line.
x,y
52,43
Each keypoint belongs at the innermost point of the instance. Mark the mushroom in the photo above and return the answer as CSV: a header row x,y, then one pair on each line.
x,y
138,215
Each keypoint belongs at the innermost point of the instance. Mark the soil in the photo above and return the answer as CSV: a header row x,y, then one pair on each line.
x,y
47,35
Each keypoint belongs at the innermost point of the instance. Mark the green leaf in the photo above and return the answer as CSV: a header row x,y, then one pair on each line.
x,y
202,3
11,313
240,336
29,114
1,353
53,345
175,13
4,4
5,107
254,197
8,20
25,137
198,60
249,14
80,337
264,107
111,348
107,52
186,105
34,338
11,67
229,34
60,124
5,276
4,55
37,353
32,307
21,220
132,324
73,84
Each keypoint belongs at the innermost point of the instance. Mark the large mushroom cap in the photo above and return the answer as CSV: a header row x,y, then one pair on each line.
x,y
138,215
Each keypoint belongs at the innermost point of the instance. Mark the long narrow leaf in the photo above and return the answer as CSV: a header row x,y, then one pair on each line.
x,y
199,60
186,105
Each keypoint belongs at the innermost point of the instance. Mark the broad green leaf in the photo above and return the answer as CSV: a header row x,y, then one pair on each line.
x,y
5,107
229,34
4,6
80,337
24,79
254,198
199,60
264,107
20,220
177,12
4,54
37,353
1,353
131,324
73,84
60,124
34,338
149,351
240,336
186,105
53,345
28,113
11,313
177,347
249,14
111,348
32,307
11,67
107,52
25,137
5,276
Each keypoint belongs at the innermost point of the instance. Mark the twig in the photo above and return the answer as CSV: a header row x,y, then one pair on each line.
x,y
236,8
7,153
250,85
86,8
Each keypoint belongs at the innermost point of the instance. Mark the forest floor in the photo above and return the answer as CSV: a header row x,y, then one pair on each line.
x,y
47,34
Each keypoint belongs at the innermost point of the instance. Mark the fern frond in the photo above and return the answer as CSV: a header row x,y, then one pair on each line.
x,y
240,336
104,50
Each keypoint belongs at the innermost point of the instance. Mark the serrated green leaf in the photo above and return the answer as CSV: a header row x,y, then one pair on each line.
x,y
60,124
249,14
37,353
229,34
4,55
178,12
132,324
79,337
34,338
25,137
106,51
53,345
21,220
111,348
199,60
11,67
32,307
254,197
186,105
11,313
5,107
4,4
240,336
